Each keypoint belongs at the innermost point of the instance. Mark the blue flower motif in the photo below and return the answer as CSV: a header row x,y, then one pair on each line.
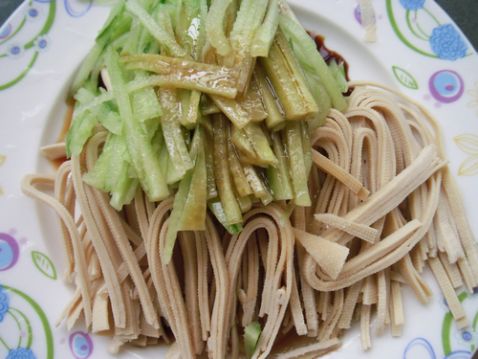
x,y
15,50
447,43
4,303
412,4
41,43
21,353
465,337
33,12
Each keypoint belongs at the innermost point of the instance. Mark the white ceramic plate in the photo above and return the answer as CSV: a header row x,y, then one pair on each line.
x,y
419,50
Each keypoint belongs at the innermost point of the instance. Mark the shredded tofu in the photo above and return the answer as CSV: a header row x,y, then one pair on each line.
x,y
384,207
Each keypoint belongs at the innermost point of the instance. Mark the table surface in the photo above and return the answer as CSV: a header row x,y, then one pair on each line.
x,y
464,12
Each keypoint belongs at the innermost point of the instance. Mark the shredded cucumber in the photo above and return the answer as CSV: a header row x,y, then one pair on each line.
x,y
158,32
252,333
143,157
145,104
309,57
80,131
297,164
265,34
215,26
211,101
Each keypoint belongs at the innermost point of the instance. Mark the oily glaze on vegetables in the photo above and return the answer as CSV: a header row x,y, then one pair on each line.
x,y
210,103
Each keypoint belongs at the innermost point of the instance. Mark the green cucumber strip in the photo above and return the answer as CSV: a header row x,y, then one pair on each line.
x,y
308,55
258,186
252,102
186,74
130,46
279,177
173,135
188,25
143,157
275,120
208,108
156,29
221,172
216,209
91,60
111,172
98,176
245,203
237,173
115,12
198,25
233,110
297,164
242,142
120,25
248,20
145,104
172,174
211,178
252,333
245,149
124,190
321,97
84,95
174,222
190,202
110,119
215,26
267,31
195,208
338,71
306,147
86,68
288,80
176,145
261,145
80,131
134,85
189,107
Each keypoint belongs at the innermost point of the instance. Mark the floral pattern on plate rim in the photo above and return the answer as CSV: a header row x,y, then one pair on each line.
x,y
21,316
40,41
456,344
425,33
468,143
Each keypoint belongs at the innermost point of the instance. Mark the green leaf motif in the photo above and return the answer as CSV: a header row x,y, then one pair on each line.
x,y
405,78
44,265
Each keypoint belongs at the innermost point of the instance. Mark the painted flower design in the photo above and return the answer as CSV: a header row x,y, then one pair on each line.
x,y
465,337
468,143
15,51
4,303
412,4
21,353
33,13
473,103
447,43
41,43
